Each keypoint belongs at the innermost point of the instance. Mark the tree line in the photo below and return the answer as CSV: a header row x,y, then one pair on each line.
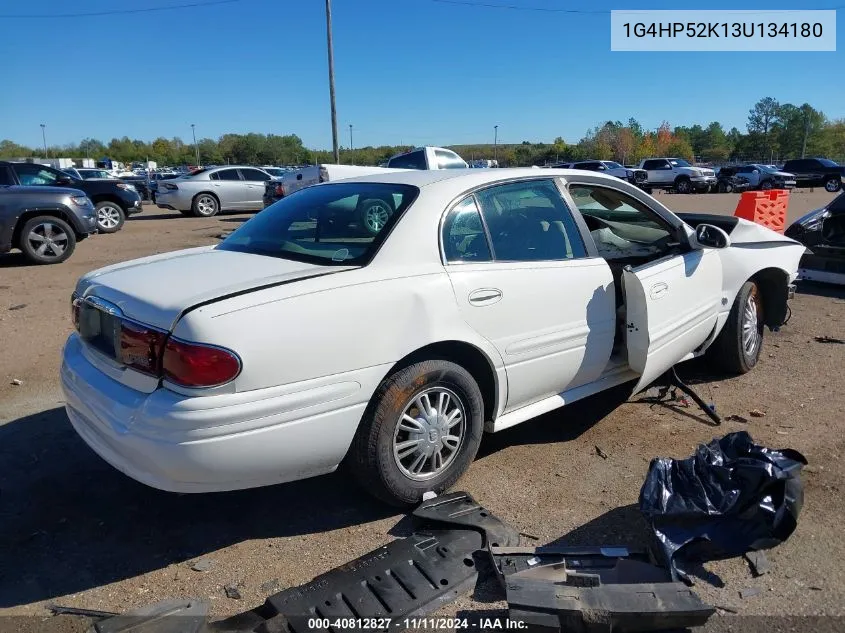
x,y
774,131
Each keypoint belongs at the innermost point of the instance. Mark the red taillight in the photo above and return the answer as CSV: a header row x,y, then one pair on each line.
x,y
140,347
195,365
75,307
280,190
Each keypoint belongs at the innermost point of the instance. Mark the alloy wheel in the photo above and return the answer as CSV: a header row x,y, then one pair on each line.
x,y
48,240
108,217
376,216
429,434
750,326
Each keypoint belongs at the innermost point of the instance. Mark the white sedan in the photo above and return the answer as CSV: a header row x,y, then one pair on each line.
x,y
303,342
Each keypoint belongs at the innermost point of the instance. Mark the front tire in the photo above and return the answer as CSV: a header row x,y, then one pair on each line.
x,y
766,185
47,240
738,346
832,185
420,432
683,185
205,205
110,217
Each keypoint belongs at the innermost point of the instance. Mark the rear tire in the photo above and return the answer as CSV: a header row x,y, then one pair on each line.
x,y
110,217
738,346
205,205
47,240
832,185
397,438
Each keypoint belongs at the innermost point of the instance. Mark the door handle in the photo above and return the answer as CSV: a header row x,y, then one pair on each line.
x,y
658,290
485,296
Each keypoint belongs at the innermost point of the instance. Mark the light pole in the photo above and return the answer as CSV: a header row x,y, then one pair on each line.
x,y
350,137
44,138
331,80
496,144
196,147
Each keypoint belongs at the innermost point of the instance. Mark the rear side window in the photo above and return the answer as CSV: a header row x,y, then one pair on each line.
x,y
5,176
254,175
413,160
529,221
463,234
228,174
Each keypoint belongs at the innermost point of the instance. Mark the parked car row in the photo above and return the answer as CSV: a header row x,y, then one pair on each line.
x,y
113,200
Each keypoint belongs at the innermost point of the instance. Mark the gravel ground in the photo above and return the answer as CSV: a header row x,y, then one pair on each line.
x,y
76,532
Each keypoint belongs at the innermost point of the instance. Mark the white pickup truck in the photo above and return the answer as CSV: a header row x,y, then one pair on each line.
x,y
374,213
418,158
677,174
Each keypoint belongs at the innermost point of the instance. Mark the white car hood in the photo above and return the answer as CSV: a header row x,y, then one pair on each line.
x,y
748,232
156,290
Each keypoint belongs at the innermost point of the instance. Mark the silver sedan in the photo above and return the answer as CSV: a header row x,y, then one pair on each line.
x,y
206,192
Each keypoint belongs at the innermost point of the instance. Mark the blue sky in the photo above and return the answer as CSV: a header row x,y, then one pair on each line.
x,y
407,71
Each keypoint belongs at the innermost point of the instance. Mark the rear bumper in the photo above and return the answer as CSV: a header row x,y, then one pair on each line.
x,y
208,444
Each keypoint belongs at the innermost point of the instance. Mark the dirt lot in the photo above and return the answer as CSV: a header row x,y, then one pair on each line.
x,y
75,532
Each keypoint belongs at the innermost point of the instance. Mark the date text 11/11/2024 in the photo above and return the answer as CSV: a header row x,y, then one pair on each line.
x,y
416,624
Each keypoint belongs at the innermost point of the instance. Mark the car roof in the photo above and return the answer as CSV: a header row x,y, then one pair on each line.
x,y
468,177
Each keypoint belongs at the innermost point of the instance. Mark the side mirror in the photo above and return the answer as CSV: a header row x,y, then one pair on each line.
x,y
709,236
63,180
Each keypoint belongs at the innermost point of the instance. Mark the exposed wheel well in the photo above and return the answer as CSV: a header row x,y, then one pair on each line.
x,y
773,284
28,215
467,356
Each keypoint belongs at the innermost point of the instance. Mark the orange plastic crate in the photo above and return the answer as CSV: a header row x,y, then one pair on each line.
x,y
764,207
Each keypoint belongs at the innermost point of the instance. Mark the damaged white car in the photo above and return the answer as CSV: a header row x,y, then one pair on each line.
x,y
303,341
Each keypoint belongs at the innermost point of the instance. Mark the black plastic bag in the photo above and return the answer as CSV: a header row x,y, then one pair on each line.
x,y
731,497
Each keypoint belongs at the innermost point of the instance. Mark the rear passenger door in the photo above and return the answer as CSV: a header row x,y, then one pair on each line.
x,y
230,189
519,267
254,181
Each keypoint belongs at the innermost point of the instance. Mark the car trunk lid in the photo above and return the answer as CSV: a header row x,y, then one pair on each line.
x,y
156,291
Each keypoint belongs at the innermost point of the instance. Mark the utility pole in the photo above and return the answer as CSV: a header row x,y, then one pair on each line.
x,y
350,141
331,80
496,144
196,147
44,137
806,133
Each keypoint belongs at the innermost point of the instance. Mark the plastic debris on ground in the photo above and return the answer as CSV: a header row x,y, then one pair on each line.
x,y
731,497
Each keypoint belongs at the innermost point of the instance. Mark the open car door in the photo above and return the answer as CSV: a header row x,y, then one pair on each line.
x,y
672,305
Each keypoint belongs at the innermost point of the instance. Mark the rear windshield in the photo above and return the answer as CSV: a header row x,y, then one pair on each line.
x,y
340,224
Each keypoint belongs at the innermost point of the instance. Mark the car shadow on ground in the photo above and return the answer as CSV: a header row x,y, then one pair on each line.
x,y
14,260
70,522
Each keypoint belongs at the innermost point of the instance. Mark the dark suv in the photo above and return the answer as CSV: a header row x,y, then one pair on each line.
x,y
44,222
113,199
816,172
